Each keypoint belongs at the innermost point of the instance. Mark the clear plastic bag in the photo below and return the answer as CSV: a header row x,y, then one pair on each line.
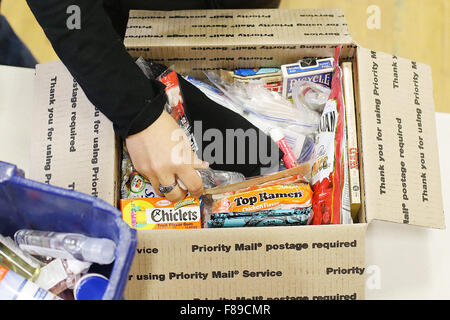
x,y
270,112
310,95
255,102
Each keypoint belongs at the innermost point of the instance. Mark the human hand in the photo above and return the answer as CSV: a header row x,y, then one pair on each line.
x,y
162,153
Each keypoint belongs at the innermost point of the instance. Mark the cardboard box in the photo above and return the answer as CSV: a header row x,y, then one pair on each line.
x,y
73,144
398,155
399,171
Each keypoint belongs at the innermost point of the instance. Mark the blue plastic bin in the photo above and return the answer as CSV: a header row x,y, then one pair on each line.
x,y
29,204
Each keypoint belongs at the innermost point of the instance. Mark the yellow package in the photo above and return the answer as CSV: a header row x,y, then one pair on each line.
x,y
272,197
160,213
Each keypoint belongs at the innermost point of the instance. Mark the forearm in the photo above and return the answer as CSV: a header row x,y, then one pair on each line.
x,y
96,57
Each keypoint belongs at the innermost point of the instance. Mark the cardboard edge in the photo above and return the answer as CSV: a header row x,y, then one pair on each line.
x,y
363,212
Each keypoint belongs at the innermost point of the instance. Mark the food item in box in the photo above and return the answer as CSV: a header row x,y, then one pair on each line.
x,y
175,106
314,70
327,171
270,77
297,195
160,213
263,218
139,187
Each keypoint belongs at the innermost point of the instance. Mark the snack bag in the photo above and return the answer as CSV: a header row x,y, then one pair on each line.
x,y
263,218
175,105
139,187
328,168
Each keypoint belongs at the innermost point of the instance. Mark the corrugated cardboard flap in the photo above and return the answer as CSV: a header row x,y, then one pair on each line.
x,y
236,27
200,40
303,262
399,155
73,144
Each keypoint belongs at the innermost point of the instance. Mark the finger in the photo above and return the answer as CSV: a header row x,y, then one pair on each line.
x,y
195,162
192,180
199,164
155,183
177,194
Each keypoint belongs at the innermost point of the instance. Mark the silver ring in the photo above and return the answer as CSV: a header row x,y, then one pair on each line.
x,y
167,189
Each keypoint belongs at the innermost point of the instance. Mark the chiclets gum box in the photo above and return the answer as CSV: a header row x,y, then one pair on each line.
x,y
160,213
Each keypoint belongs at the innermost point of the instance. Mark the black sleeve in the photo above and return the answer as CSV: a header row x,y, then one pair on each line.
x,y
96,57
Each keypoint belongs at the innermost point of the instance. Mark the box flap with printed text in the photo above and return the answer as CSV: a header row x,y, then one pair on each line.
x,y
73,144
320,262
399,155
202,40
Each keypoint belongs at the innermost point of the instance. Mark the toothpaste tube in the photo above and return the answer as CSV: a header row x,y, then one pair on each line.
x,y
313,70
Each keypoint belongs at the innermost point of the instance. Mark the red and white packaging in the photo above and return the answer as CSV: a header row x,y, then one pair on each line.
x,y
175,105
328,167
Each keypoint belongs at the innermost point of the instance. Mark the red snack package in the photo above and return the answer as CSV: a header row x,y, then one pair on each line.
x,y
328,168
170,80
175,104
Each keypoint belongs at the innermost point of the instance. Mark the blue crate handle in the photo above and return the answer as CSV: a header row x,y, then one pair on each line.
x,y
30,204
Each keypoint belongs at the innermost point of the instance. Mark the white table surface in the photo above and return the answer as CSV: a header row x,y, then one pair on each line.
x,y
404,262
16,103
414,262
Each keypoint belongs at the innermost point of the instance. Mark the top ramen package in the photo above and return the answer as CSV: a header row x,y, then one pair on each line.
x,y
328,167
297,195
